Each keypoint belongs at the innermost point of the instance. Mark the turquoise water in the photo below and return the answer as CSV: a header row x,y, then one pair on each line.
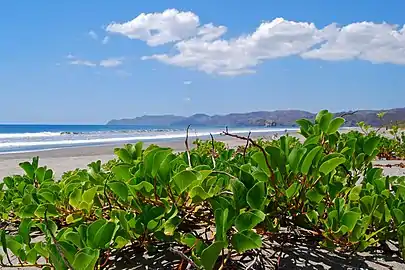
x,y
25,138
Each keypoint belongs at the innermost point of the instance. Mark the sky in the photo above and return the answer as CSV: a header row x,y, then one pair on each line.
x,y
86,62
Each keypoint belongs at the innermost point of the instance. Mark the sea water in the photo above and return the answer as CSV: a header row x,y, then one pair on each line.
x,y
27,138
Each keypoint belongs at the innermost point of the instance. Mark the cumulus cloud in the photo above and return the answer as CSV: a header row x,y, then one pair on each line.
x,y
377,43
111,62
187,82
158,28
93,34
202,47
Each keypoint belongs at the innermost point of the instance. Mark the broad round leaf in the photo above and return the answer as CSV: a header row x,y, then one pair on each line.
x,y
249,220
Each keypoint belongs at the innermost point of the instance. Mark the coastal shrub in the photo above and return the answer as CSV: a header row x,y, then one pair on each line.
x,y
213,202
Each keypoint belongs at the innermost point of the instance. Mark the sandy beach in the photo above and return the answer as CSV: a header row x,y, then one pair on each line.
x,y
66,159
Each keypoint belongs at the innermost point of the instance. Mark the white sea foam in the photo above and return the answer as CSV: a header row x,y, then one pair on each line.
x,y
29,135
96,141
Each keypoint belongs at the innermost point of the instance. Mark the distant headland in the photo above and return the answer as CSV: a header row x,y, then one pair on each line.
x,y
261,118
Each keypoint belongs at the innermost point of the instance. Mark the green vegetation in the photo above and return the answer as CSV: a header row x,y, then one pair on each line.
x,y
213,201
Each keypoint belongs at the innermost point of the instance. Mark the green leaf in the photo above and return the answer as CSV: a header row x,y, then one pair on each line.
x,y
120,189
295,157
24,230
104,235
123,155
138,149
325,121
32,256
335,124
92,231
398,215
3,241
73,218
246,240
370,145
198,194
349,219
210,255
158,158
28,211
86,259
307,162
75,198
28,169
221,218
256,196
239,194
314,196
120,242
184,179
329,165
74,238
319,116
88,195
354,194
68,250
142,186
293,190
249,220
258,157
122,171
14,246
171,225
42,249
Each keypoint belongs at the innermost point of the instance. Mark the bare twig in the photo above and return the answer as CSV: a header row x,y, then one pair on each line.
x,y
58,248
183,256
188,148
213,150
348,113
246,146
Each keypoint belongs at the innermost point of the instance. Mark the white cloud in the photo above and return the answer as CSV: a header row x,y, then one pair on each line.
x,y
202,47
111,62
158,28
93,34
187,99
377,43
105,40
80,62
187,82
107,63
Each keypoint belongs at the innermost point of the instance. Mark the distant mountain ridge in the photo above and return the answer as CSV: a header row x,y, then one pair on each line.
x,y
260,118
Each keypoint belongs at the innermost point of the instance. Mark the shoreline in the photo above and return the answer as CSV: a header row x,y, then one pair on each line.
x,y
70,158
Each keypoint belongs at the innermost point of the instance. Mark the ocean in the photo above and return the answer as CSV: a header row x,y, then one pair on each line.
x,y
28,138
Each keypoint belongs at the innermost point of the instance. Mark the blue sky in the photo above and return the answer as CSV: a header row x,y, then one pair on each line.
x,y
91,61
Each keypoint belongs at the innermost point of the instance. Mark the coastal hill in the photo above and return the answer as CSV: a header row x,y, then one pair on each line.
x,y
260,118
